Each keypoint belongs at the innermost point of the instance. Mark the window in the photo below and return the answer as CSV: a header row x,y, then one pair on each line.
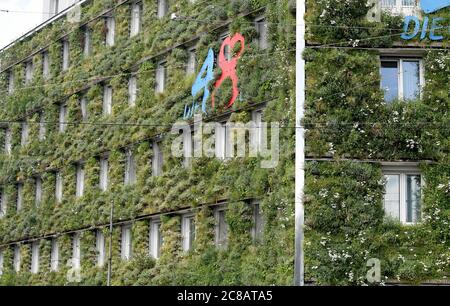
x,y
42,129
162,8
66,55
107,100
130,168
258,222
188,231
157,159
256,134
8,142
80,180
222,141
262,30
402,199
87,42
125,249
45,64
226,50
62,118
76,251
110,31
192,61
161,77
132,91
1,261
401,78
156,239
24,134
58,187
84,109
398,3
19,197
17,258
2,203
188,148
100,247
221,227
135,25
10,82
54,7
28,71
104,173
38,191
35,257
54,256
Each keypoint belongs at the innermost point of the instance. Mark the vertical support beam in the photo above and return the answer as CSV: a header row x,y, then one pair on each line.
x,y
299,269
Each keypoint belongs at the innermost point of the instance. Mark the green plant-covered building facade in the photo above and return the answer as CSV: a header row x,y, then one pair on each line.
x,y
89,183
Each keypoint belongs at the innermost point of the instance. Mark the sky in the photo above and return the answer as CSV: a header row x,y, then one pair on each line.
x,y
14,24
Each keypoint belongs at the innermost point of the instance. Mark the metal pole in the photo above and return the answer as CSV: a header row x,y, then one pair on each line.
x,y
110,244
299,265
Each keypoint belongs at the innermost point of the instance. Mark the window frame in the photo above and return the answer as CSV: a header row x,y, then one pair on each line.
x,y
187,241
155,238
24,133
161,77
136,25
399,8
45,64
191,65
65,54
100,247
17,258
257,135
84,108
157,159
221,243
29,69
107,100
132,90
87,42
227,50
162,8
38,191
35,248
79,177
62,118
42,128
399,59
8,141
19,196
110,35
403,170
76,251
130,167
257,211
58,186
54,255
126,242
11,82
258,21
103,172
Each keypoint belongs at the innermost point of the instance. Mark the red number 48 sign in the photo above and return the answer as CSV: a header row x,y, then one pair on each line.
x,y
206,74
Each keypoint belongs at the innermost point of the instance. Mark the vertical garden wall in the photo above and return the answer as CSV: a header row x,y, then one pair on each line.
x,y
349,128
349,120
266,78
